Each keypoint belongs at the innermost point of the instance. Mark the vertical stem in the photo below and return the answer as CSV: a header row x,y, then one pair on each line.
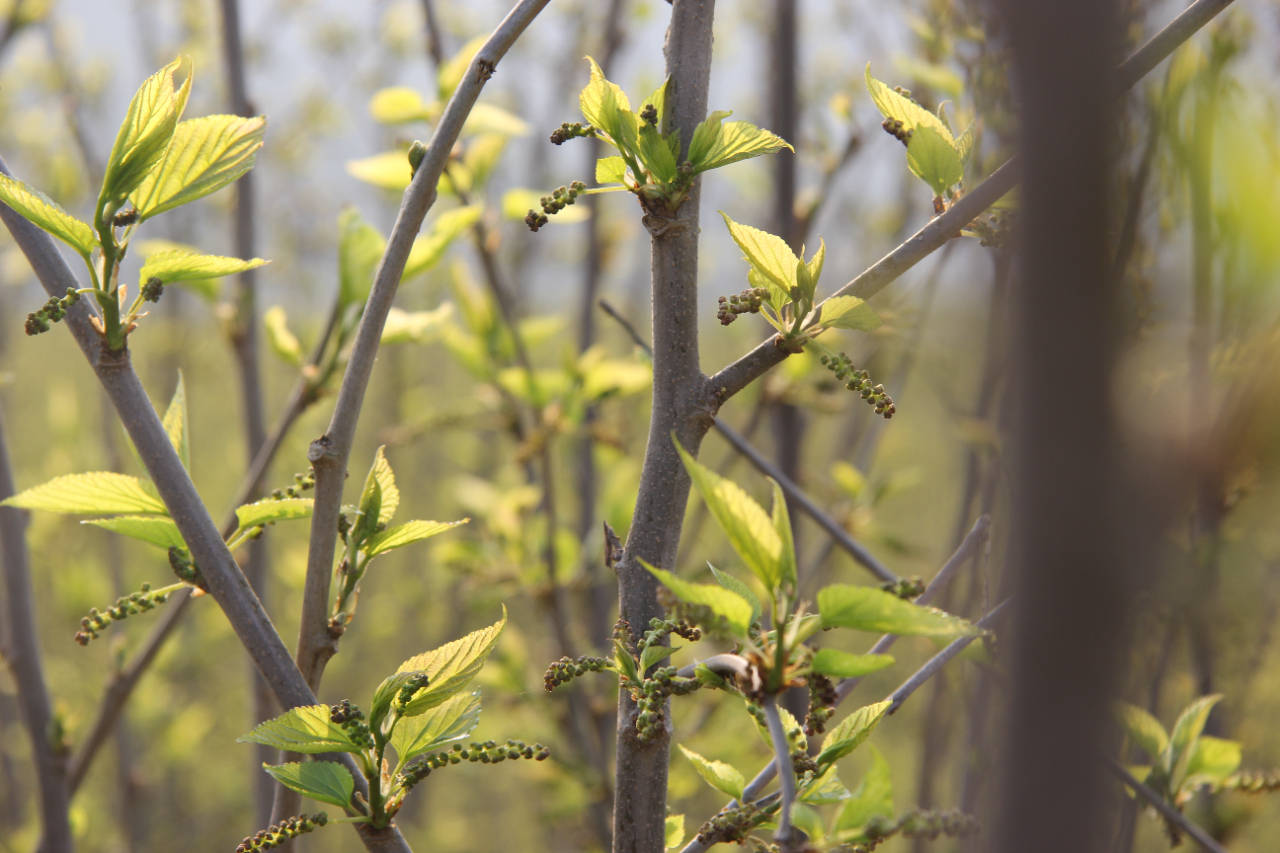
x,y
22,654
678,412
244,347
1067,560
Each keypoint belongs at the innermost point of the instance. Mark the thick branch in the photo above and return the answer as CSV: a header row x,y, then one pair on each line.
x,y
924,242
640,804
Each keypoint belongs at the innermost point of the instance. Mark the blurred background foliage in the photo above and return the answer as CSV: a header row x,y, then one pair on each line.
x,y
1198,168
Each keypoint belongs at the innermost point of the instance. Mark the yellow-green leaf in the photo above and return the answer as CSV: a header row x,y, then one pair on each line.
x,y
864,608
40,211
873,798
158,530
398,105
360,247
389,170
851,732
282,341
733,608
895,105
934,160
92,493
749,528
429,248
204,155
442,725
1142,728
723,777
171,265
407,533
307,729
270,510
606,108
146,133
451,666
837,664
323,781
175,422
848,312
767,253
611,170
722,144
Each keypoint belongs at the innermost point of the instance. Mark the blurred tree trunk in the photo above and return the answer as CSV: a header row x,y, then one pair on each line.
x,y
1067,560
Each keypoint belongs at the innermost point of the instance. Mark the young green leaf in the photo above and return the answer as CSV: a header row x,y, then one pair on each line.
x,y
360,247
1191,722
204,156
305,729
403,327
158,530
851,732
451,666
814,264
1142,728
450,721
749,527
767,253
934,160
964,144
605,106
655,154
732,141
281,340
611,170
706,136
1212,760
873,798
175,423
823,789
405,534
429,248
40,211
732,607
673,831
172,265
895,105
626,663
325,781
398,105
848,312
782,525
270,510
866,609
93,493
145,134
723,777
732,584
655,653
389,494
837,664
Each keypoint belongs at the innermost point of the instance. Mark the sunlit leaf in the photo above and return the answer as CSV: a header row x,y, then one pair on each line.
x,y
94,493
732,584
175,422
673,831
730,142
271,510
281,340
360,247
824,789
415,326
389,170
306,729
42,212
451,666
158,530
655,154
1212,760
848,312
782,525
145,134
609,170
176,265
324,781
895,105
732,607
934,160
748,526
723,777
405,534
767,253
450,721
398,105
1142,728
851,732
606,107
1190,724
866,609
834,663
204,156
429,248
873,798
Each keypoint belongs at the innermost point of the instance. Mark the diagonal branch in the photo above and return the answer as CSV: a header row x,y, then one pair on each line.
x,y
1167,811
330,452
882,273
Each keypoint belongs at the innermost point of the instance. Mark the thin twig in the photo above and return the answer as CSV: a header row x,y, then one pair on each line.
x,y
21,651
1167,811
736,376
329,453
782,759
